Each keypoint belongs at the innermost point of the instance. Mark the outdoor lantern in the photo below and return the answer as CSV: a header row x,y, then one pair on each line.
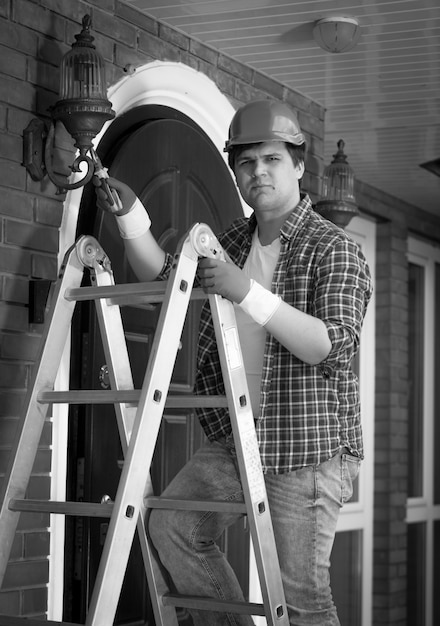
x,y
337,202
83,108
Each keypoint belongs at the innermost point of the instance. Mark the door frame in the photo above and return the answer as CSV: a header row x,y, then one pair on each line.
x,y
188,91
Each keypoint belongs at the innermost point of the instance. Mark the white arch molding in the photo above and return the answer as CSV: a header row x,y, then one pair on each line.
x,y
179,87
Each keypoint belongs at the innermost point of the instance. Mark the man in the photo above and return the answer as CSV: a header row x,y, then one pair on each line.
x,y
301,289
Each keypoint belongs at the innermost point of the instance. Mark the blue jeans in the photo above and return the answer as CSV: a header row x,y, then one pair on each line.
x,y
304,506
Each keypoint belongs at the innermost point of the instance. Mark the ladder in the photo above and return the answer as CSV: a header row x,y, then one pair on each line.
x,y
139,413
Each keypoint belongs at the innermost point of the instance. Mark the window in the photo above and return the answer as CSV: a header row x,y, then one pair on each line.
x,y
423,505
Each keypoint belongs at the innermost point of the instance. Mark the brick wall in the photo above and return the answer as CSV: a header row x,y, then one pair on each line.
x,y
391,425
34,35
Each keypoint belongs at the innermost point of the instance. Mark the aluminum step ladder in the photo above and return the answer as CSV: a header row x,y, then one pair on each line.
x,y
139,413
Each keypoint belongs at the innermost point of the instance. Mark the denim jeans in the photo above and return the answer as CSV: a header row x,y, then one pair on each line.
x,y
304,507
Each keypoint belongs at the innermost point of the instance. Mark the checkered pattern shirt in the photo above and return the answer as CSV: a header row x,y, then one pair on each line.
x,y
307,412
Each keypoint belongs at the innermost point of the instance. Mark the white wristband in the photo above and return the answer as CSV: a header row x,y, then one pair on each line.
x,y
134,223
260,303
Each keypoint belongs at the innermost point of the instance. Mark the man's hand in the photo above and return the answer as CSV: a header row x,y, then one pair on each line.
x,y
125,193
223,278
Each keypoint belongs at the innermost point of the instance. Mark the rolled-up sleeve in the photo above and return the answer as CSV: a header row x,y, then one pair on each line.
x,y
341,294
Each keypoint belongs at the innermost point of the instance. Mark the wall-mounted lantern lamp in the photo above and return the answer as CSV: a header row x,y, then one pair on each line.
x,y
337,202
83,108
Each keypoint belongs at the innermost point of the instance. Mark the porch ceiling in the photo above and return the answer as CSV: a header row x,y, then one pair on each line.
x,y
382,98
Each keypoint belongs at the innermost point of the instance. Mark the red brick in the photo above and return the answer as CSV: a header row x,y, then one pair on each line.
x,y
268,85
8,427
136,17
15,290
42,462
31,237
48,212
43,75
16,203
13,174
18,38
10,600
12,376
237,69
12,63
36,544
39,486
173,36
19,347
26,574
35,602
116,29
44,267
17,92
33,521
11,403
13,317
40,19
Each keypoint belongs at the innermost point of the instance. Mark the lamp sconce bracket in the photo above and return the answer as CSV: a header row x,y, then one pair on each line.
x,y
34,138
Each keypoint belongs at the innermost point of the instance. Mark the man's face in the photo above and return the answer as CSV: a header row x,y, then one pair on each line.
x,y
267,178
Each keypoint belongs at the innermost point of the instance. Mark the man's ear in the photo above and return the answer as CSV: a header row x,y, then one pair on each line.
x,y
300,170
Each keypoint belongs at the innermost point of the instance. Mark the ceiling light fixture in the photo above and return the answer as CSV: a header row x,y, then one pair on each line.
x,y
337,34
83,108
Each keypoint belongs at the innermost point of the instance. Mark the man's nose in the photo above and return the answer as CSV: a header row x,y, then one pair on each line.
x,y
259,168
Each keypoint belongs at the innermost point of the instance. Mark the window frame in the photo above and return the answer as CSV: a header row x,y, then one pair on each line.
x,y
422,509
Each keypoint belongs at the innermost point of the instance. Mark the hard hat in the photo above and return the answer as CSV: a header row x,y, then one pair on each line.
x,y
264,120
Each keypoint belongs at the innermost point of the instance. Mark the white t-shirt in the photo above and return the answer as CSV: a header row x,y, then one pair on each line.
x,y
260,266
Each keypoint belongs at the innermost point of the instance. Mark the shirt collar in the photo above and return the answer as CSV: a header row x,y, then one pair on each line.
x,y
295,220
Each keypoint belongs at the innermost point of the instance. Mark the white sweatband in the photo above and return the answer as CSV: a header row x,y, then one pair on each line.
x,y
260,303
134,223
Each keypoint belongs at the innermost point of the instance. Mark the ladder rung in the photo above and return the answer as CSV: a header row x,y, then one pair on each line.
x,y
10,620
212,604
96,509
129,294
156,502
81,509
127,396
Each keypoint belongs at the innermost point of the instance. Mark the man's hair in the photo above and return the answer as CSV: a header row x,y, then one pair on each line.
x,y
298,153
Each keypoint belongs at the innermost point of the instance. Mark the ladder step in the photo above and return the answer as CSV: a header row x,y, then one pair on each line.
x,y
213,604
104,509
127,396
81,509
130,294
156,502
9,620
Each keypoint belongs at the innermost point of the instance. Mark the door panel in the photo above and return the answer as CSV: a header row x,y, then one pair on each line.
x,y
181,179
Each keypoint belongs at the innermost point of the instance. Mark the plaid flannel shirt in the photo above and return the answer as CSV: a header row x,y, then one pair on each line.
x,y
307,412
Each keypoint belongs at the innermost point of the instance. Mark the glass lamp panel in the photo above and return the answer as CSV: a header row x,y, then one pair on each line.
x,y
83,75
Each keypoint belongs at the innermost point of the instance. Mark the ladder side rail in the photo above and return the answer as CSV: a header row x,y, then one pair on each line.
x,y
30,426
129,501
249,461
120,375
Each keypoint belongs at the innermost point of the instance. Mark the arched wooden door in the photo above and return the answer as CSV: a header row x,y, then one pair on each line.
x,y
181,178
